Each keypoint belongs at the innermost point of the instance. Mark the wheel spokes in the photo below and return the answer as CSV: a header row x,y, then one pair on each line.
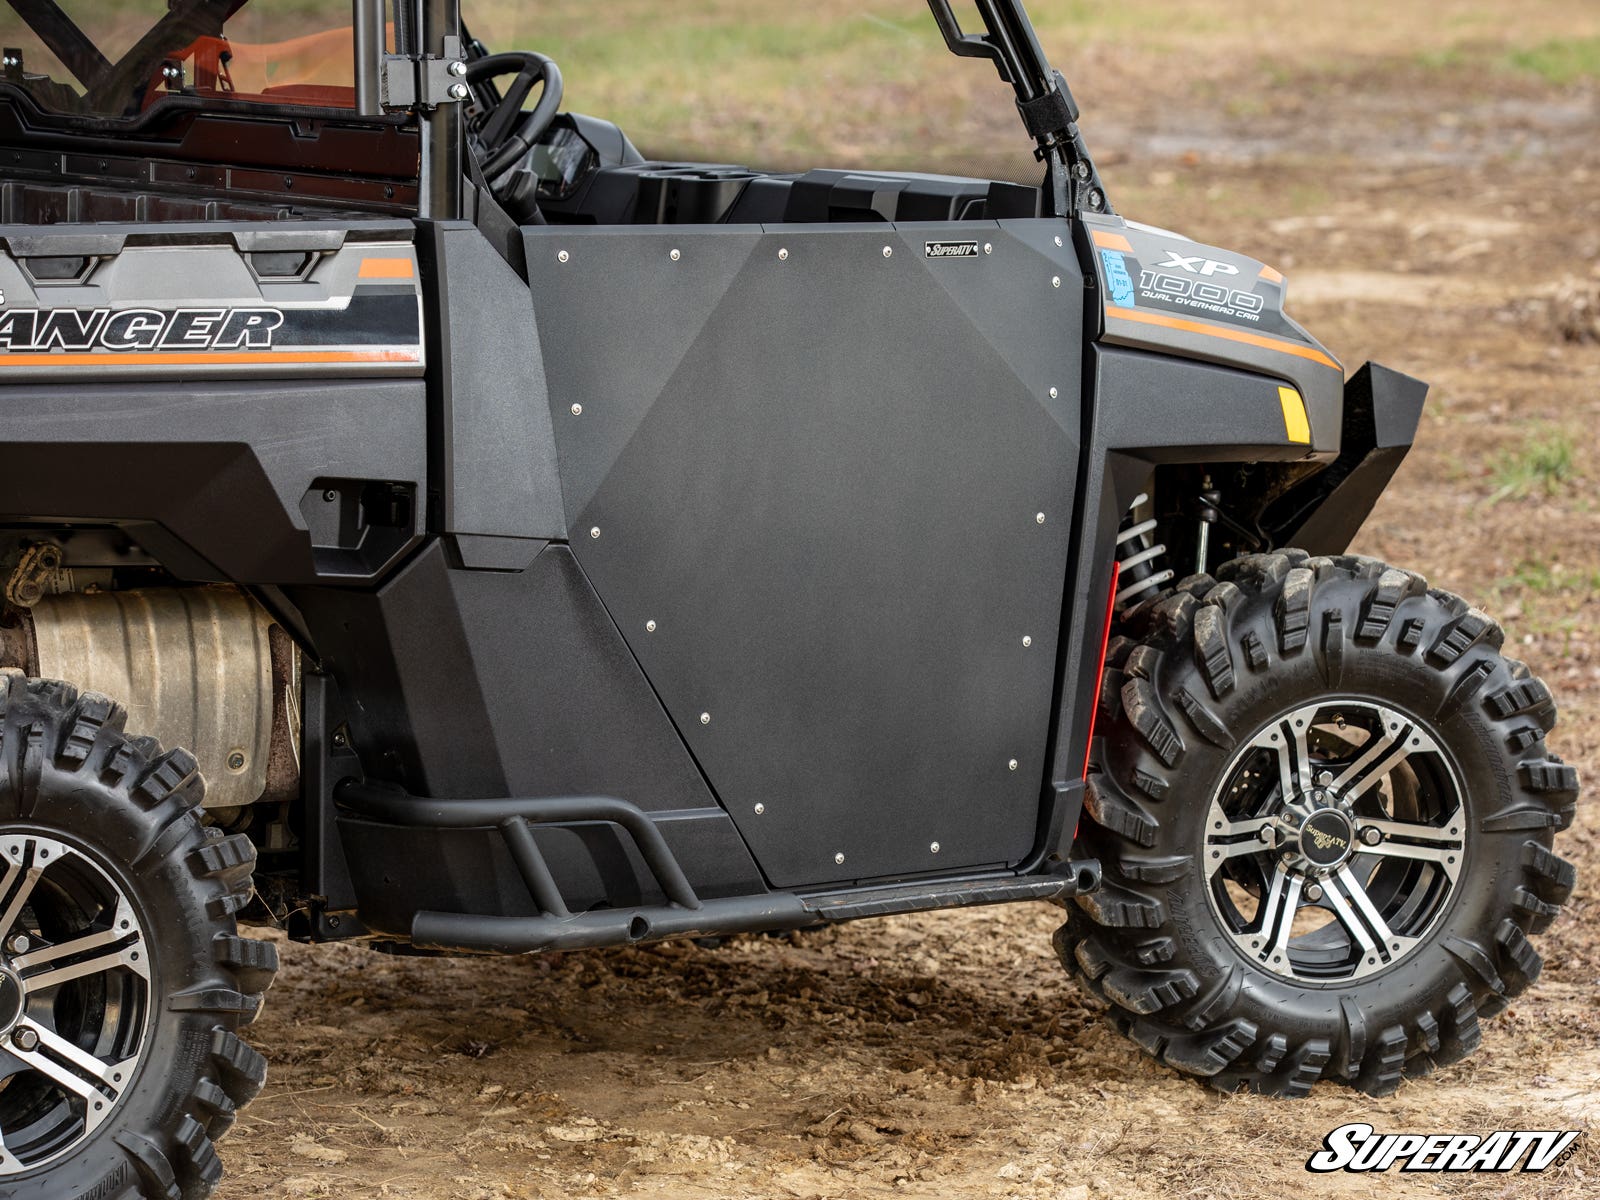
x,y
15,892
1399,740
1236,838
1421,843
1347,897
1271,739
96,1083
123,939
129,955
1278,909
1287,740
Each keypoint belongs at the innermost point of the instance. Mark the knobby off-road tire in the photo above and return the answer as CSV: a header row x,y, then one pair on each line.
x,y
1199,747
124,1065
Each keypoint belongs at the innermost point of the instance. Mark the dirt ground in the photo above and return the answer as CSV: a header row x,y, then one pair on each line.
x,y
1432,216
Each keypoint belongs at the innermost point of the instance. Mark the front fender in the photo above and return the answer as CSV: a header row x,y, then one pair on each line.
x,y
1382,409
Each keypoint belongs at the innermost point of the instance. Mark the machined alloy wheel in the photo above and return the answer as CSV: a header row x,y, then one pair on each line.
x,y
1334,841
123,978
74,998
1325,811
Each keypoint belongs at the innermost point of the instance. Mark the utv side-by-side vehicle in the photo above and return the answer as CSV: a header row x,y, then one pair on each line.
x,y
534,545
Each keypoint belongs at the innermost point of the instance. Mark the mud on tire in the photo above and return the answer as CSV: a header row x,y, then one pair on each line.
x,y
1205,675
158,1007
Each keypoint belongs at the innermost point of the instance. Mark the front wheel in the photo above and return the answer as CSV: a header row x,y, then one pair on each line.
x,y
1325,809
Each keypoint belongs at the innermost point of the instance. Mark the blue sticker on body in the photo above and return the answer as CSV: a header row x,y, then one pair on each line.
x,y
1117,278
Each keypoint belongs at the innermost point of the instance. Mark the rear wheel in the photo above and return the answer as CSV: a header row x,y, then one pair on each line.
x,y
123,980
1325,808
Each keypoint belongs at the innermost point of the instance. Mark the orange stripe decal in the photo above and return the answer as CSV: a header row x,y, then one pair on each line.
x,y
1112,241
202,359
387,268
1271,275
1140,317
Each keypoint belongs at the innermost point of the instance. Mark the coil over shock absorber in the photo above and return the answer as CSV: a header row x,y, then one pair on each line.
x,y
1140,558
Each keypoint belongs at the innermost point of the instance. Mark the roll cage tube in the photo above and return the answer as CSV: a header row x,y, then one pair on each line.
x,y
1043,99
423,74
63,39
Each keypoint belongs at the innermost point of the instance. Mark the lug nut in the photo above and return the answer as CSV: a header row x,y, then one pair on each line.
x,y
1324,778
25,1040
1314,892
1372,835
20,944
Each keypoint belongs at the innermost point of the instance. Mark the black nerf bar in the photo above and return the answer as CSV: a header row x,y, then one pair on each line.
x,y
558,928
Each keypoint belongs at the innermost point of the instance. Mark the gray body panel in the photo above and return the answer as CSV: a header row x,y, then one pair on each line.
x,y
1172,410
499,479
1216,306
491,683
819,474
220,476
210,302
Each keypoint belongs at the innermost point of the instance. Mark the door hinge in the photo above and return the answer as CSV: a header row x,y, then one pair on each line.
x,y
425,81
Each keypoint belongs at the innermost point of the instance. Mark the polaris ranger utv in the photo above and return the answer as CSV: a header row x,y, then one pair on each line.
x,y
535,546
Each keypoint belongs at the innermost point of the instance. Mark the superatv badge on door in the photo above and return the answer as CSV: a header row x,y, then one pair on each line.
x,y
951,250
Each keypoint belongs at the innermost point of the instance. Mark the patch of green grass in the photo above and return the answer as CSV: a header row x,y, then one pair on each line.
x,y
1446,58
1561,62
1542,466
1551,578
1545,598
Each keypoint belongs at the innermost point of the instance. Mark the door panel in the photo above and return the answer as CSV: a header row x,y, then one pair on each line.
x,y
804,477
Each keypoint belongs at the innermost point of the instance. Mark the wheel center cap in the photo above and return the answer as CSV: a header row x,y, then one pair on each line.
x,y
10,1000
1327,838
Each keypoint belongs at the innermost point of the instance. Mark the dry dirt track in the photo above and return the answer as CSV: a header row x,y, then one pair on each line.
x,y
1430,226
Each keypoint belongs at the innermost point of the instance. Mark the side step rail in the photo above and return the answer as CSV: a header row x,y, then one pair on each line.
x,y
557,927
1079,877
684,914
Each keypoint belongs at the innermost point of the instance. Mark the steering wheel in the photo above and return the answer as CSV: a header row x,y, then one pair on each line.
x,y
507,132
